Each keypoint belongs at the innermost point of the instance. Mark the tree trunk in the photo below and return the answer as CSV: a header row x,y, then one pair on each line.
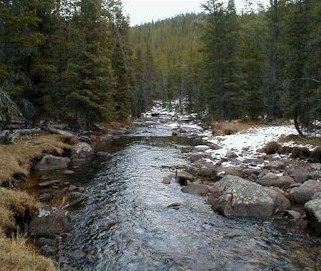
x,y
297,126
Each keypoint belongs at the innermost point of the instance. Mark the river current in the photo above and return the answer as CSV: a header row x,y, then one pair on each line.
x,y
132,221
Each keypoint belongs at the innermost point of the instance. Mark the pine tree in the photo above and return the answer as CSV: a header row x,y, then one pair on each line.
x,y
89,74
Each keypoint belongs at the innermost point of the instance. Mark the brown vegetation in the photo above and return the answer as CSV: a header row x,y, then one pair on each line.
x,y
315,141
17,158
17,255
231,127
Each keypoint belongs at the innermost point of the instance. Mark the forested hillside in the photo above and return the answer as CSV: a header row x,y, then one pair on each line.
x,y
65,60
263,63
168,51
78,61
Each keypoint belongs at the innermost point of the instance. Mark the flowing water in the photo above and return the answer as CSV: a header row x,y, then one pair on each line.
x,y
132,221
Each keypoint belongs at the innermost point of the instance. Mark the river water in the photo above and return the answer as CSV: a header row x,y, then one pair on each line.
x,y
132,221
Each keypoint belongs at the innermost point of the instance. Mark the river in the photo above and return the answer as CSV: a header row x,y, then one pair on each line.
x,y
132,221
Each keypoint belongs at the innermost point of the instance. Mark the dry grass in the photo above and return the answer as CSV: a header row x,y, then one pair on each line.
x,y
17,158
315,141
14,203
17,255
231,127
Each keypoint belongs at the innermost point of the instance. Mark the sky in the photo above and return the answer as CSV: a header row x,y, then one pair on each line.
x,y
144,11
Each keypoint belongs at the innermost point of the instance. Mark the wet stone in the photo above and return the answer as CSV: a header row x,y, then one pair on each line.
x,y
46,197
48,183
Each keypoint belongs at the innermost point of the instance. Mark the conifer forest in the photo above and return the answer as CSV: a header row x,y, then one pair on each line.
x,y
80,62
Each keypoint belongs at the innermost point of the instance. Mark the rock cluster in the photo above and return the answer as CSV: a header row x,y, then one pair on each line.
x,y
262,187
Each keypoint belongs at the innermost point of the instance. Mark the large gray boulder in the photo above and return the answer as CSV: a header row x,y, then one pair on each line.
x,y
51,162
313,210
81,150
305,192
234,196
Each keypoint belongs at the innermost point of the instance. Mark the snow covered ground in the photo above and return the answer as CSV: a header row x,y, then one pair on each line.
x,y
246,145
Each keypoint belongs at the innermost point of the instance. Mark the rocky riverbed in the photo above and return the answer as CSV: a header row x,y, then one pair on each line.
x,y
85,202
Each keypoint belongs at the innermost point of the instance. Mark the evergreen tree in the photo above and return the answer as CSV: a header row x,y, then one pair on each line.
x,y
89,75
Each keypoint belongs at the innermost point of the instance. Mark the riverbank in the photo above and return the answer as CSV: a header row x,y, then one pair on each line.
x,y
16,207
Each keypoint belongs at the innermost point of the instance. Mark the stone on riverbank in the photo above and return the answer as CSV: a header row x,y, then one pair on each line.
x,y
49,222
313,210
234,196
81,150
51,162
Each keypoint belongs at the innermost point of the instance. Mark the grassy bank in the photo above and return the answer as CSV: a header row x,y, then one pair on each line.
x,y
18,158
15,253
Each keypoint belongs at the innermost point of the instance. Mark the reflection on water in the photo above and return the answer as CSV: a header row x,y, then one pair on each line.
x,y
127,225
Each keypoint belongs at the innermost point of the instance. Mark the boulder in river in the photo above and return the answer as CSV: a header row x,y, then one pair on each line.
x,y
234,196
51,162
306,191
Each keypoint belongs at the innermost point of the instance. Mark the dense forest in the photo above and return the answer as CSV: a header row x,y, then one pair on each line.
x,y
80,62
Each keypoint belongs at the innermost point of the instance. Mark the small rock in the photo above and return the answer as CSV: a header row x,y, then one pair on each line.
x,y
183,176
198,155
231,155
291,214
48,183
46,197
69,172
167,179
275,165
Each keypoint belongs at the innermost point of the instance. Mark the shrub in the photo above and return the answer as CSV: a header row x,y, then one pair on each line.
x,y
272,148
